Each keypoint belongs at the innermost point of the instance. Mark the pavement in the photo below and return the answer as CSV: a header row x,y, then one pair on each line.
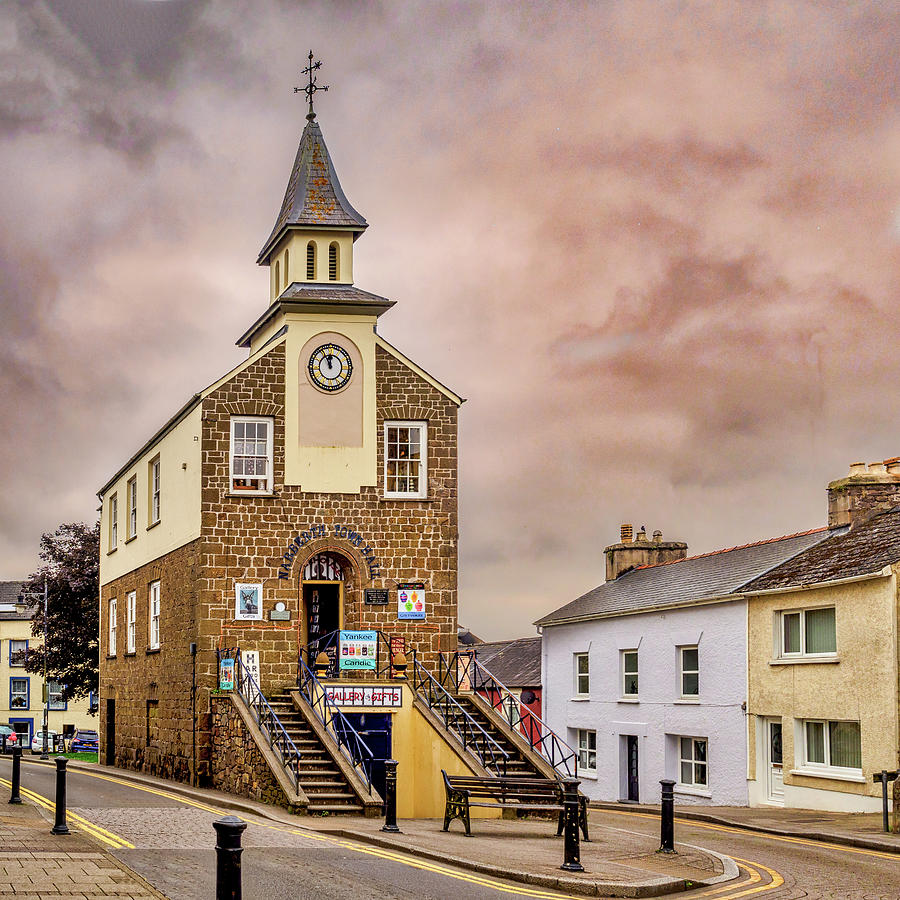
x,y
864,830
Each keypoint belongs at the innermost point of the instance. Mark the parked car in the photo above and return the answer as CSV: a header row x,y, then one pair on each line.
x,y
8,732
84,740
37,742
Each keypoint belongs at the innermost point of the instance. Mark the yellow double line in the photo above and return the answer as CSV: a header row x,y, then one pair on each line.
x,y
101,834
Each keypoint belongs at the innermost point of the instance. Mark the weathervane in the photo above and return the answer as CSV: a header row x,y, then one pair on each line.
x,y
312,87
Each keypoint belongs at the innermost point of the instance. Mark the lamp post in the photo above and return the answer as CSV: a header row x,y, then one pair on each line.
x,y
46,689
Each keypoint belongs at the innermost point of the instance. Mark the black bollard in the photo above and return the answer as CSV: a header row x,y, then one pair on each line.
x,y
667,817
571,809
15,797
228,857
390,797
59,826
3,740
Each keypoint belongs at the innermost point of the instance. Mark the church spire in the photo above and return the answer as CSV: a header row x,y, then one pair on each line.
x,y
314,200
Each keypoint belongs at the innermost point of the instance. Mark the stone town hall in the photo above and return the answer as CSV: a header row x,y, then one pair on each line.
x,y
301,493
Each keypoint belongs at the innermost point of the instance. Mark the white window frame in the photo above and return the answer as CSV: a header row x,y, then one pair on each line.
x,y
623,673
682,671
269,477
131,492
827,766
153,617
802,653
23,650
58,704
586,742
577,658
113,522
131,622
422,490
113,625
693,761
153,485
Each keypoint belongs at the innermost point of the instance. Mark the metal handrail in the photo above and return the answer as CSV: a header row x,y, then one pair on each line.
x,y
336,723
540,736
269,723
490,754
323,643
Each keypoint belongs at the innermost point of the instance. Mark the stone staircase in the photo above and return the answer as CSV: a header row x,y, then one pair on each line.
x,y
320,776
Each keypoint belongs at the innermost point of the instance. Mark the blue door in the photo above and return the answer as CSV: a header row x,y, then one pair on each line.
x,y
375,730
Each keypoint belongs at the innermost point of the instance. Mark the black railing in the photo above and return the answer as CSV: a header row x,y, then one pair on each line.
x,y
462,670
327,644
330,645
336,723
474,738
269,724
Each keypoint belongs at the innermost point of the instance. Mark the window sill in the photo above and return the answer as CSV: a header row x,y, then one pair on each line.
x,y
130,653
252,494
389,498
688,701
581,698
110,552
804,660
691,790
110,655
153,524
591,775
150,650
853,775
628,700
132,538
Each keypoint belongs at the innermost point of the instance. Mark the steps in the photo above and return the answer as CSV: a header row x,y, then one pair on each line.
x,y
319,775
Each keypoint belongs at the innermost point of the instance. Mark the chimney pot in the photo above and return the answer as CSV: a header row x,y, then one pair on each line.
x,y
892,465
877,468
858,468
657,536
642,534
627,534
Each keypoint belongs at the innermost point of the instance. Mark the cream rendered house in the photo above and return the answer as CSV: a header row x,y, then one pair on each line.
x,y
823,658
21,691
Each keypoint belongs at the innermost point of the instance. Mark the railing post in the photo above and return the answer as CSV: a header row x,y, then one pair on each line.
x,y
390,797
15,797
572,852
60,826
228,857
667,817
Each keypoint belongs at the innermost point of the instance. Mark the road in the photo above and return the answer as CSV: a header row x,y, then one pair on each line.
x,y
283,861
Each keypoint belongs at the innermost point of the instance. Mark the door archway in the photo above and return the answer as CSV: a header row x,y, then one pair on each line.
x,y
322,598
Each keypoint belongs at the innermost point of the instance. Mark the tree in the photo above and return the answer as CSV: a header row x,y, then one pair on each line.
x,y
71,565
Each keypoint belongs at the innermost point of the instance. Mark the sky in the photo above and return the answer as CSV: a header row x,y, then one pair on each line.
x,y
655,245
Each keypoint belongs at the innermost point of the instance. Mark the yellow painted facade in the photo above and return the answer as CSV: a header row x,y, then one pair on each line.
x,y
179,514
289,258
859,684
76,712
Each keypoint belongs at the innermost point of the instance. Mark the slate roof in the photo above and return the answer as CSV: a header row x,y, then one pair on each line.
x,y
314,196
9,593
516,663
687,580
866,550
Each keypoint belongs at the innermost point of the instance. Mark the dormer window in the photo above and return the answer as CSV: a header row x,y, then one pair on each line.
x,y
333,262
311,261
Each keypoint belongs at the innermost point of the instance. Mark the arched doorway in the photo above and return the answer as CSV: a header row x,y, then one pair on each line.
x,y
322,603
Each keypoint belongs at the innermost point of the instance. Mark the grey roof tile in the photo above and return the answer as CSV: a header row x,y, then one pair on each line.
x,y
688,580
9,594
516,663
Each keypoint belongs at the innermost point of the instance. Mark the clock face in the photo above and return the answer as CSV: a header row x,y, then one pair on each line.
x,y
330,367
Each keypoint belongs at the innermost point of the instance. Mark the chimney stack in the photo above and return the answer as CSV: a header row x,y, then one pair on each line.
x,y
632,552
864,492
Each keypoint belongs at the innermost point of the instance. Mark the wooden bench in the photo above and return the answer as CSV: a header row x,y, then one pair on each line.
x,y
527,794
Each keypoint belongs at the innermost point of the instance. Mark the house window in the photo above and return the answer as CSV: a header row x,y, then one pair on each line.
x,y
153,484
18,653
333,262
582,675
692,762
132,508
19,693
54,696
251,455
808,632
113,521
587,751
832,744
405,459
154,615
311,261
689,661
629,673
112,627
130,621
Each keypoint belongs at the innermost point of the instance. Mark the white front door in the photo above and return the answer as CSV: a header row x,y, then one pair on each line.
x,y
774,764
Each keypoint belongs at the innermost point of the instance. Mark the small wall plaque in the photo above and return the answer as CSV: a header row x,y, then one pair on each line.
x,y
377,597
280,613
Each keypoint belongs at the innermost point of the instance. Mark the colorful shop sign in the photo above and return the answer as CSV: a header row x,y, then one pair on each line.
x,y
358,649
226,675
365,695
411,600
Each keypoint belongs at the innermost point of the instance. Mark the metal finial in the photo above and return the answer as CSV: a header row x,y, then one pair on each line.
x,y
312,87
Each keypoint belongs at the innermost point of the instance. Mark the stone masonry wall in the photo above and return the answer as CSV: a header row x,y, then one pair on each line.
x,y
237,766
163,677
245,538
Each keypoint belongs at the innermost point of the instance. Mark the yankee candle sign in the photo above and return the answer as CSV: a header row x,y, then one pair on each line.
x,y
358,649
